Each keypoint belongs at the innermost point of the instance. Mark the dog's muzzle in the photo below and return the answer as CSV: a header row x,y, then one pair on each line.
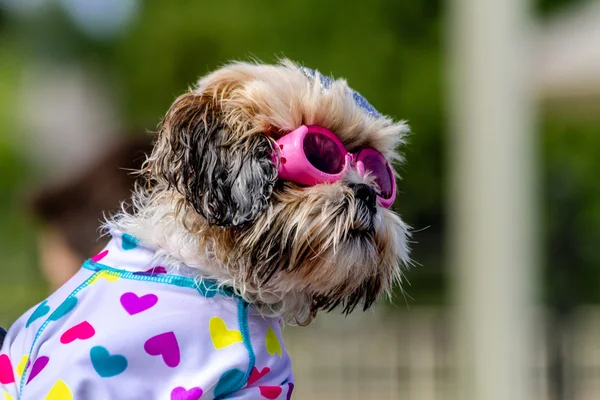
x,y
365,197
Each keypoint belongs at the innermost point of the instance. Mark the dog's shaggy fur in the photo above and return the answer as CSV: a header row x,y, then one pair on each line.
x,y
212,201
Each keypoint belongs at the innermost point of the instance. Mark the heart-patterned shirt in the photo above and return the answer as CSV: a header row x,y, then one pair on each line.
x,y
127,326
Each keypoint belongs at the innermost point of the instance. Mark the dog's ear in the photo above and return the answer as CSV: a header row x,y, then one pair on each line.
x,y
228,177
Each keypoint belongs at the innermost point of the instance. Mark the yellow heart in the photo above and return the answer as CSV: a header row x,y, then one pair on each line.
x,y
221,336
7,396
104,275
22,365
60,391
272,343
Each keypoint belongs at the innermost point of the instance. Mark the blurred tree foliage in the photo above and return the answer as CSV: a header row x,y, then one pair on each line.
x,y
20,284
389,50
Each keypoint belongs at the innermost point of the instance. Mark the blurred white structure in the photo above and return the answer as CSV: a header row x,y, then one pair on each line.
x,y
498,67
567,56
492,198
409,356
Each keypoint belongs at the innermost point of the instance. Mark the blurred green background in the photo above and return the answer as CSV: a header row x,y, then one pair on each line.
x,y
145,53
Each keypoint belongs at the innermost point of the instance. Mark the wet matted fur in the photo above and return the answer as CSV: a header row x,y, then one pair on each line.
x,y
211,199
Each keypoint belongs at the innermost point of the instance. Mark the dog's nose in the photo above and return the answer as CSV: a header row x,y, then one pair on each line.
x,y
366,194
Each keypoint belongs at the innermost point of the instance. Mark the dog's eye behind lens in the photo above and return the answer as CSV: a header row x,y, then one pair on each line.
x,y
323,153
381,174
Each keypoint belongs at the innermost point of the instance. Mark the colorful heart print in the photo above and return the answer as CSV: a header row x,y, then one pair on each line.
x,y
290,390
38,366
60,391
82,331
135,305
129,242
256,375
164,345
221,336
228,382
180,393
6,370
66,307
39,312
270,392
272,343
22,365
98,257
105,364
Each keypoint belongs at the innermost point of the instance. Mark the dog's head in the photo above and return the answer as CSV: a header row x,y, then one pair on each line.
x,y
296,247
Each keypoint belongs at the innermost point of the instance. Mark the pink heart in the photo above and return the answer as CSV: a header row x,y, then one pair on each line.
x,y
270,392
179,393
6,371
164,345
39,364
82,331
135,305
290,390
256,375
100,256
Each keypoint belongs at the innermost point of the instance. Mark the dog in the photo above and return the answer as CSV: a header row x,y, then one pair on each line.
x,y
265,199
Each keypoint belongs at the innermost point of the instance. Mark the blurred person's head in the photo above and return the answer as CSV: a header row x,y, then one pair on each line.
x,y
71,213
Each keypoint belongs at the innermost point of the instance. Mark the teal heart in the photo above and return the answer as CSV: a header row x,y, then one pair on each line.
x,y
39,312
229,382
105,364
129,242
66,307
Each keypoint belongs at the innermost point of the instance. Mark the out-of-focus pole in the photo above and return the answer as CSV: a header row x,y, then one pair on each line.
x,y
492,191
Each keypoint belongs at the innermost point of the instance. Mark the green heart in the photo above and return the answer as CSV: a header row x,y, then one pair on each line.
x,y
39,312
106,365
66,307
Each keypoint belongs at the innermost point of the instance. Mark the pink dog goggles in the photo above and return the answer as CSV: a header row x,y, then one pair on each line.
x,y
312,154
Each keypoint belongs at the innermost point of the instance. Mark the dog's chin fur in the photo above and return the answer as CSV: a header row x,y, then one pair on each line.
x,y
289,250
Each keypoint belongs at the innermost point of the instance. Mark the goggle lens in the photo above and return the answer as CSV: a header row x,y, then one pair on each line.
x,y
323,153
375,164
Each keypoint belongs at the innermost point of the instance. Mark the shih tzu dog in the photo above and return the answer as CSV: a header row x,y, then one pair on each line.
x,y
266,198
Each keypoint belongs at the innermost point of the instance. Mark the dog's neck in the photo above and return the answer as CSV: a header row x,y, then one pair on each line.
x,y
159,221
160,225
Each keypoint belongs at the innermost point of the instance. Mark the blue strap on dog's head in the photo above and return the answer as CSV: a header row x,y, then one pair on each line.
x,y
326,83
